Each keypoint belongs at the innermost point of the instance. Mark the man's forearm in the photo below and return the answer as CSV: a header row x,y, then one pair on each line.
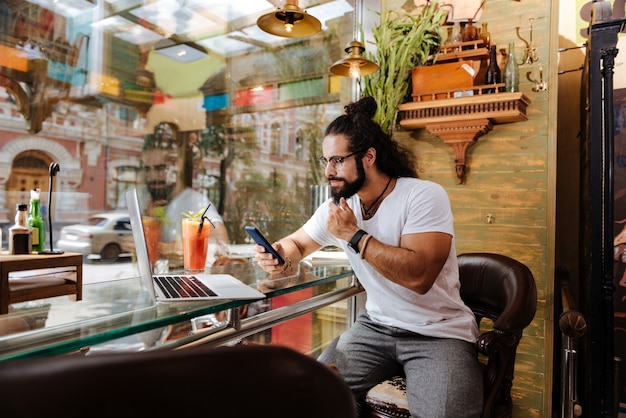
x,y
414,269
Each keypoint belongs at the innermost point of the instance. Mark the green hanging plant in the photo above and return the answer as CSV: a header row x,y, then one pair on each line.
x,y
403,41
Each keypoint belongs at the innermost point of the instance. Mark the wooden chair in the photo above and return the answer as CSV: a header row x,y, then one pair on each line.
x,y
502,290
224,382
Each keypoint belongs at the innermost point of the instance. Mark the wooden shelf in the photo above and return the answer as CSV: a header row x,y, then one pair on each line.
x,y
462,51
460,121
498,107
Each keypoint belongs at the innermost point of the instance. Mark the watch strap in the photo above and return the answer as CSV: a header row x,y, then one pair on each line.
x,y
354,242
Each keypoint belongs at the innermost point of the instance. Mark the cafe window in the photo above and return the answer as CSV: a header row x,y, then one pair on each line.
x,y
186,94
299,146
301,89
124,76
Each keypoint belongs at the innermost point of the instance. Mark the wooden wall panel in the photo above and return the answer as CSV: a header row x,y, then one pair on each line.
x,y
506,201
511,177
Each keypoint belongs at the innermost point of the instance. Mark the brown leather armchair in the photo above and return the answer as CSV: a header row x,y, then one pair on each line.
x,y
224,382
495,287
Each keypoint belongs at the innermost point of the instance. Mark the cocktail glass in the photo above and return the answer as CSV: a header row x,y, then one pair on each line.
x,y
196,234
152,231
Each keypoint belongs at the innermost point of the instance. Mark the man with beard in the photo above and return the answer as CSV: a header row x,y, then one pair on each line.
x,y
397,232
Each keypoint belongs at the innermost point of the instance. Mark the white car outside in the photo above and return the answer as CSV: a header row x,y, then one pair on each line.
x,y
104,236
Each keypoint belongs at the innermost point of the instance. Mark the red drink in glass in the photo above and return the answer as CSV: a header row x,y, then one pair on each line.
x,y
195,244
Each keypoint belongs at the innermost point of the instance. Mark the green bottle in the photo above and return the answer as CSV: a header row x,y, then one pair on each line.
x,y
36,223
511,71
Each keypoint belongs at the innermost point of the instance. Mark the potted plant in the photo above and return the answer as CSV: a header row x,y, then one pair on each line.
x,y
403,41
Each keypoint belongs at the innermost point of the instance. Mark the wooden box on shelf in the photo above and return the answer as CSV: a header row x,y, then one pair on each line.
x,y
33,276
475,50
441,77
457,66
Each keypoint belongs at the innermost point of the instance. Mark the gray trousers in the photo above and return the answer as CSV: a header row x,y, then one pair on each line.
x,y
443,375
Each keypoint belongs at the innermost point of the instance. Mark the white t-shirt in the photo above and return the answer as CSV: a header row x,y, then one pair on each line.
x,y
413,206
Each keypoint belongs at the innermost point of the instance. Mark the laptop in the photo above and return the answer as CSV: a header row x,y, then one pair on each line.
x,y
181,287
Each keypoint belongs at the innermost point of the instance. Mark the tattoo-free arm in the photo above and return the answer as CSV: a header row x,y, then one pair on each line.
x,y
415,264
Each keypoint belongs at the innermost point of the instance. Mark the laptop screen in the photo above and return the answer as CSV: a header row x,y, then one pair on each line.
x,y
141,248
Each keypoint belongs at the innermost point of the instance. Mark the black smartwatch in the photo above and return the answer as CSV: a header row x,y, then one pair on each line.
x,y
354,242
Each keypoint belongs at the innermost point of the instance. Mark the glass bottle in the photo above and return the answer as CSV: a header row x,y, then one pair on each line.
x,y
20,241
485,35
494,75
450,36
470,32
511,71
457,36
35,222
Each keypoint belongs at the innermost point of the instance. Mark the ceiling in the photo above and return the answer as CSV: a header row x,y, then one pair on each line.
x,y
224,27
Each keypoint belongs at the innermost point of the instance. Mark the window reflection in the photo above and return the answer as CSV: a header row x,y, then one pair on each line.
x,y
125,178
275,139
94,86
299,147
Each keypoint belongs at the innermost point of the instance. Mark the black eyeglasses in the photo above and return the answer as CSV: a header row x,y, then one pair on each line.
x,y
336,161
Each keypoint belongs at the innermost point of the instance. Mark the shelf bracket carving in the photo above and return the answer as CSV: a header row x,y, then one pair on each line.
x,y
460,121
460,136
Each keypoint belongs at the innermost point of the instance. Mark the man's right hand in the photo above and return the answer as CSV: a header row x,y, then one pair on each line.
x,y
341,220
267,261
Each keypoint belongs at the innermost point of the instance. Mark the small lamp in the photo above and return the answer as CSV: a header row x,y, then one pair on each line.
x,y
354,64
289,22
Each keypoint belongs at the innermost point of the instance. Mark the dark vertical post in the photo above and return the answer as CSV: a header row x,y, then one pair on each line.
x,y
608,284
597,224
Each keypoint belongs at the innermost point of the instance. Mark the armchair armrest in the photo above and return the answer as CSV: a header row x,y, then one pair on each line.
x,y
500,348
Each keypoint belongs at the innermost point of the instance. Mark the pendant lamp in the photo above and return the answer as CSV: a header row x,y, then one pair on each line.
x,y
289,22
354,64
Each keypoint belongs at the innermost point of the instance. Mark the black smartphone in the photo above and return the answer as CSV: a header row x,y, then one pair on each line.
x,y
258,237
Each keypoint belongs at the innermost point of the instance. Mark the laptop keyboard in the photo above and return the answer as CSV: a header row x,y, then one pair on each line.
x,y
183,287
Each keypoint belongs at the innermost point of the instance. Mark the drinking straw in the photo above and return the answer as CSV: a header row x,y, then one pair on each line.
x,y
203,217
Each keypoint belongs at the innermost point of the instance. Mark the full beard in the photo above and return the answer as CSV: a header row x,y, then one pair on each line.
x,y
159,192
349,188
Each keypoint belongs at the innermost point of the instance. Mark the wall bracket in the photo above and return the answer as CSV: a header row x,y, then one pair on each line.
x,y
460,136
460,121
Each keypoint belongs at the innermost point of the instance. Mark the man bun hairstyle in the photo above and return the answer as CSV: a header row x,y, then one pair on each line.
x,y
363,133
366,107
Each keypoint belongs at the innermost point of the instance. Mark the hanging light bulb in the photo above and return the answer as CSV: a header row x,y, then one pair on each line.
x,y
355,70
354,64
289,22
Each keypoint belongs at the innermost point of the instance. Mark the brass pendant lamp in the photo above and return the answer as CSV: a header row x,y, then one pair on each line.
x,y
290,21
354,64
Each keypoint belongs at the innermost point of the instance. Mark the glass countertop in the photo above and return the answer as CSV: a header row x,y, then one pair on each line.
x,y
115,309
